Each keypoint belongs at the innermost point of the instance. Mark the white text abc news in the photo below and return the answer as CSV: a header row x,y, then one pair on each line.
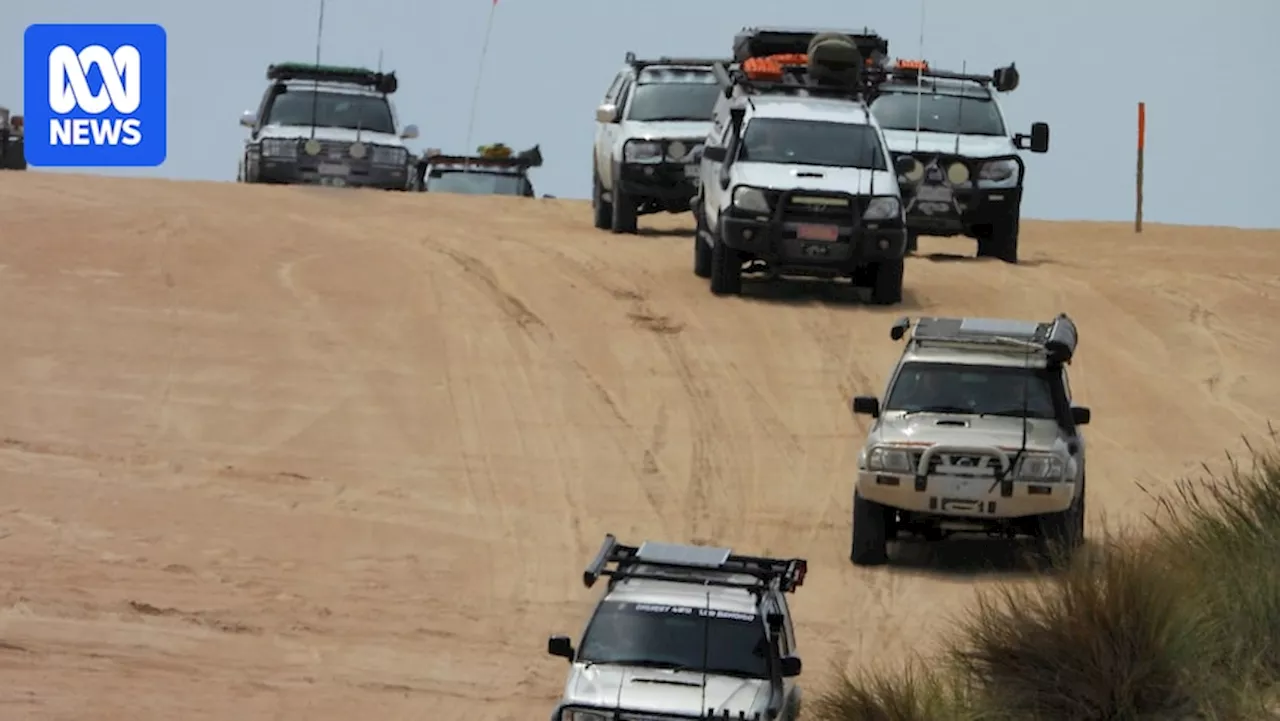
x,y
69,89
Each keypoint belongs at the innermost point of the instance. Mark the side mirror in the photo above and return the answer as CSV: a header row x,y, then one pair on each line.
x,y
607,113
248,118
715,153
866,406
1080,415
790,666
1037,141
560,646
410,132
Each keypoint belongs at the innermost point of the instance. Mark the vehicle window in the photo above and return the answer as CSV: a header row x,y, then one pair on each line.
x,y
612,92
986,390
473,182
787,627
332,110
673,101
784,641
939,113
1066,384
661,636
812,142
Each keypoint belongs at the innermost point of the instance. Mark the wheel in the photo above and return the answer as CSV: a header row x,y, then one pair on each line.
x,y
1063,533
869,546
726,269
913,242
1000,241
602,210
701,251
886,281
624,211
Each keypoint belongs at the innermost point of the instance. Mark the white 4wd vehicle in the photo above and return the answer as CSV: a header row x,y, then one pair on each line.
x,y
959,166
796,175
326,125
653,120
977,432
684,633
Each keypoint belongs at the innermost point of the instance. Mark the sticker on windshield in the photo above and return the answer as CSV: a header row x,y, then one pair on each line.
x,y
691,611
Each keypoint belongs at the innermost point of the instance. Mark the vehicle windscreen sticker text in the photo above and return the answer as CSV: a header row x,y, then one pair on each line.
x,y
692,611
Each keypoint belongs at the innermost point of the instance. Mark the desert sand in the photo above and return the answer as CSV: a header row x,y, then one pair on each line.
x,y
295,453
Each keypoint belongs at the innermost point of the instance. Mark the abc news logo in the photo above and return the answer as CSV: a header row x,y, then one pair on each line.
x,y
69,91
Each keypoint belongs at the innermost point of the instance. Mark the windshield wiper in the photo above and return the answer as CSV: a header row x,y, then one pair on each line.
x,y
938,409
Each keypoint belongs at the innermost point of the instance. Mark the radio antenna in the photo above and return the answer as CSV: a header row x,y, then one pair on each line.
x,y
315,91
964,70
706,652
920,76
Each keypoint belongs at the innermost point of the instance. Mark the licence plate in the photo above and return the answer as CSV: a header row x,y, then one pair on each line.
x,y
960,488
808,231
337,169
691,171
934,194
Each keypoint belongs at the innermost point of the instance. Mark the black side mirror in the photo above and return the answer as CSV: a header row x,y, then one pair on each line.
x,y
1080,415
714,153
790,666
866,406
560,646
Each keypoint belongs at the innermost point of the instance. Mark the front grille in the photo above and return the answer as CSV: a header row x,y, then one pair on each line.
x,y
979,462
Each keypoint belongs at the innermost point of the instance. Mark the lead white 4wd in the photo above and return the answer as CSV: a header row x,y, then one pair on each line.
x,y
976,432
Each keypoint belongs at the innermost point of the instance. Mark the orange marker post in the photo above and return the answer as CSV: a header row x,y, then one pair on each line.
x,y
1142,144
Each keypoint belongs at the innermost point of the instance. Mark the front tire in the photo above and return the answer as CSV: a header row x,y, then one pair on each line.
x,y
624,210
1061,534
1000,240
726,269
701,251
602,210
870,542
886,281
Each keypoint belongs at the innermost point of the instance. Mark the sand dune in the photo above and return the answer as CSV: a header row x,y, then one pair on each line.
x,y
295,453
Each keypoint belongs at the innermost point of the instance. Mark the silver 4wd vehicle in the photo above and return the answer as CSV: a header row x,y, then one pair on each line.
x,y
958,164
977,432
796,175
12,149
327,125
653,120
684,633
495,170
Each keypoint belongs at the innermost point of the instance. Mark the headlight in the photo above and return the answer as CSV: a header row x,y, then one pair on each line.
x,y
280,148
642,152
998,172
958,173
570,715
388,155
1041,467
914,173
892,460
882,209
751,200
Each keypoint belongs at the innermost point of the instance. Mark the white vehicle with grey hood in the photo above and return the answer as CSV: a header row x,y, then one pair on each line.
x,y
684,633
959,164
327,125
977,432
796,176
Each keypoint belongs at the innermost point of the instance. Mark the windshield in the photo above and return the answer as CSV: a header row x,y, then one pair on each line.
x,y
474,182
983,390
638,634
963,114
812,142
332,110
673,101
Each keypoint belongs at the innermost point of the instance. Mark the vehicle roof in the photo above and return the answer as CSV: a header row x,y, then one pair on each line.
x,y
799,107
960,355
459,167
676,73
687,593
939,86
339,88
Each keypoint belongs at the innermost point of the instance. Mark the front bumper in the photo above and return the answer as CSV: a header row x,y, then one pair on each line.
x,y
310,171
785,237
663,182
936,206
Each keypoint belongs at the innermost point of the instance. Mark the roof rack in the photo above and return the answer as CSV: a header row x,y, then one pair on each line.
x,y
641,63
382,82
753,42
808,62
1004,79
703,563
495,155
1055,339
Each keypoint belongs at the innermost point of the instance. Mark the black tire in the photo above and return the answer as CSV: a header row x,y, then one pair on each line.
x,y
886,281
1000,241
726,269
870,543
624,210
1061,534
913,242
701,251
602,210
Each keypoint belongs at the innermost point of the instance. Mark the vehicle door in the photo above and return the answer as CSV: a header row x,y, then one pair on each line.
x,y
713,195
605,132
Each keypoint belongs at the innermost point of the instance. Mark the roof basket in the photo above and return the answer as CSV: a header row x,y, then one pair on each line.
x,y
379,81
492,155
641,63
1004,79
1056,340
696,564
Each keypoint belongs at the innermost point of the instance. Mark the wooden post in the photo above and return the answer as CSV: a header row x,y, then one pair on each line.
x,y
1142,143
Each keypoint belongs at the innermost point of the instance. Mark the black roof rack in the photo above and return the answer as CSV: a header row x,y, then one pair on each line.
x,y
774,40
1004,79
703,564
379,81
641,63
1056,339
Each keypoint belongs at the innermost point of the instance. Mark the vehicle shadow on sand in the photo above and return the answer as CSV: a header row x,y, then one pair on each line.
x,y
958,258
969,556
665,232
817,291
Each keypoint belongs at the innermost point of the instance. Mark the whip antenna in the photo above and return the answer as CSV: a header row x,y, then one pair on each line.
x,y
920,76
315,90
964,69
706,652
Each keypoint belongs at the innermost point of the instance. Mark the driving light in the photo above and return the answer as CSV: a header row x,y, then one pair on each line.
x,y
750,199
280,148
914,173
891,460
958,173
358,150
1041,467
882,208
312,147
676,150
642,152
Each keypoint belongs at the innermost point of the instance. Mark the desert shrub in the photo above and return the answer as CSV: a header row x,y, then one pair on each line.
x,y
916,693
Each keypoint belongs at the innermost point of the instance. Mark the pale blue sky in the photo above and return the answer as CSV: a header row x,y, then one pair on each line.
x,y
1203,69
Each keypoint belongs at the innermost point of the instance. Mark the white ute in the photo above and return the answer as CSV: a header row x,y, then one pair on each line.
x,y
977,432
327,125
684,633
796,176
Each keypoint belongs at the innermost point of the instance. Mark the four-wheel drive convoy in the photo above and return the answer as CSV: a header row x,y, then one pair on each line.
x,y
327,125
649,128
684,633
493,171
958,165
12,151
796,176
976,432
